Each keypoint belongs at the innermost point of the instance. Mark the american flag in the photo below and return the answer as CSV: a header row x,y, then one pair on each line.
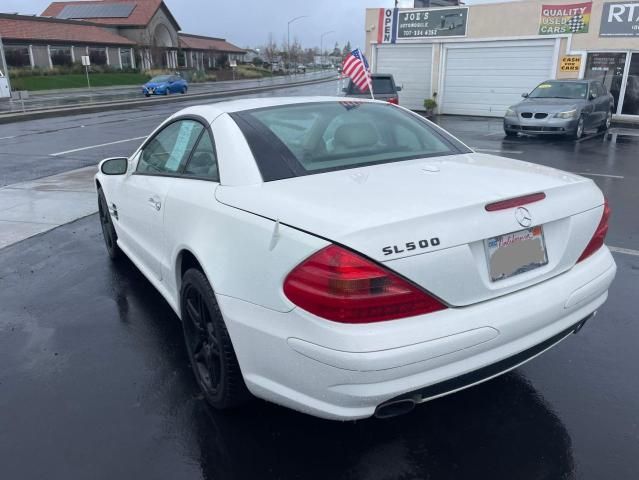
x,y
355,67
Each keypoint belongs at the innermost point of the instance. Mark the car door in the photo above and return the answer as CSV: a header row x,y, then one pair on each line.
x,y
158,163
189,203
603,102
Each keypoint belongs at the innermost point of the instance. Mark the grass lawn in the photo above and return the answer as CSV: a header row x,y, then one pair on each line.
x,y
77,80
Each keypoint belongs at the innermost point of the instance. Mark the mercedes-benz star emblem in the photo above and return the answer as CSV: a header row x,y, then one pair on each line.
x,y
523,216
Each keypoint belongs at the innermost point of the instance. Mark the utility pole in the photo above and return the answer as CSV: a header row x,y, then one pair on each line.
x,y
288,40
322,45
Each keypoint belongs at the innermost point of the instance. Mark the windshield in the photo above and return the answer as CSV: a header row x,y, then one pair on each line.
x,y
160,79
381,85
294,140
560,90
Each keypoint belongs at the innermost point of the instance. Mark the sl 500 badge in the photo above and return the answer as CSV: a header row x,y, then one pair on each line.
x,y
409,246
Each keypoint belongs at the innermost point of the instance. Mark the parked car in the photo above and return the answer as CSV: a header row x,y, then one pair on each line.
x,y
165,84
565,107
384,88
301,68
350,258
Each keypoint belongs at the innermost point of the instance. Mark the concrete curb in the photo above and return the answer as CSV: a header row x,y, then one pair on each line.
x,y
125,104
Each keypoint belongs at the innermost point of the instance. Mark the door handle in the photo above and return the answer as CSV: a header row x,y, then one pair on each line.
x,y
155,203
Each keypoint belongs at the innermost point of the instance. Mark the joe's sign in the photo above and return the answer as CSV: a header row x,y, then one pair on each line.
x,y
620,19
573,18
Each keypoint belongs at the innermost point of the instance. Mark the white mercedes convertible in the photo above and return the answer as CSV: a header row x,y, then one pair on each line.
x,y
349,258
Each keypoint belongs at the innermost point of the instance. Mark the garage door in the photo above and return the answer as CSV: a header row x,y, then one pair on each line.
x,y
411,67
482,80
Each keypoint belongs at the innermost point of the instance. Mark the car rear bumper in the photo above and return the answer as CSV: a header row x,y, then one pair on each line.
x,y
345,372
549,125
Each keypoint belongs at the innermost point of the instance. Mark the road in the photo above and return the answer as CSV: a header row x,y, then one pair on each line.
x,y
75,96
95,381
45,147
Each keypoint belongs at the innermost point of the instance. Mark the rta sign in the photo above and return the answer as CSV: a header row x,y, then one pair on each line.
x,y
619,19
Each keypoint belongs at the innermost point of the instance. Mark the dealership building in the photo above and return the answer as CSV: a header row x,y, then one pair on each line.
x,y
479,59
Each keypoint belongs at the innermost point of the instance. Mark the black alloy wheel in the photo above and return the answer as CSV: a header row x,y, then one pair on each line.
x,y
108,230
209,345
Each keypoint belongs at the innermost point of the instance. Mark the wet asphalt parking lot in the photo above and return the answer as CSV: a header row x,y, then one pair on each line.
x,y
95,381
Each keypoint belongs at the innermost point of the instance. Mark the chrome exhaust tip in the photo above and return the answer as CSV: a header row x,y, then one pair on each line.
x,y
395,408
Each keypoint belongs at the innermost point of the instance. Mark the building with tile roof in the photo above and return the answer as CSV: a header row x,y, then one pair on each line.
x,y
140,34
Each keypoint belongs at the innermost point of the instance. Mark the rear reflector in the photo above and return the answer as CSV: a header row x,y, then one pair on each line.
x,y
597,240
394,100
515,202
340,285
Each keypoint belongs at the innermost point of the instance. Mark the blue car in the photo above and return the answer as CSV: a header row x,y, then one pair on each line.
x,y
165,84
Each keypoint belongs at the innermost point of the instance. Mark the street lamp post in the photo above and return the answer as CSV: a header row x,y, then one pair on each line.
x,y
322,45
288,39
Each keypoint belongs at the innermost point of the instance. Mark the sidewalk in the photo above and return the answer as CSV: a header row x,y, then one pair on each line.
x,y
37,206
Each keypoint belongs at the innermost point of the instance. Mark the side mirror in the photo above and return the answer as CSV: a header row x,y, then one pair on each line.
x,y
114,166
592,95
525,95
399,89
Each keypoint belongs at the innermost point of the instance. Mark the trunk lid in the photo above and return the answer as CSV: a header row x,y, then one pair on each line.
x,y
438,206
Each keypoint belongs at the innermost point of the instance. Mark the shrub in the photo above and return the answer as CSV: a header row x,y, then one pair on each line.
x,y
430,104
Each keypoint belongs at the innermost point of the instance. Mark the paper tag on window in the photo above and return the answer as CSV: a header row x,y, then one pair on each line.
x,y
181,143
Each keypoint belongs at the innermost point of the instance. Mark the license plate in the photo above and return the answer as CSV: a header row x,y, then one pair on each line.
x,y
516,252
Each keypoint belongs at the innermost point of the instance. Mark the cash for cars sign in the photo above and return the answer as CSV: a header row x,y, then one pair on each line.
x,y
570,63
573,18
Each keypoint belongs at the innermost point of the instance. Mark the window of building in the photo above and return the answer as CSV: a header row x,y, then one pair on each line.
x,y
98,55
125,57
61,56
607,67
631,97
181,58
17,56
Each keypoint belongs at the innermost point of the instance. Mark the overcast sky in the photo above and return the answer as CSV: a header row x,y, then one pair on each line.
x,y
248,22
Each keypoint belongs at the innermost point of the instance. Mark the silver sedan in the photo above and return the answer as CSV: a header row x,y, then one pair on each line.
x,y
564,107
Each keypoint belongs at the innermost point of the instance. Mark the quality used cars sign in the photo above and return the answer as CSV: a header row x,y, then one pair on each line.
x,y
620,19
572,18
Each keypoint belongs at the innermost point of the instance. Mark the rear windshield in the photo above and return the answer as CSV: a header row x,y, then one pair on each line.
x,y
560,90
294,140
381,85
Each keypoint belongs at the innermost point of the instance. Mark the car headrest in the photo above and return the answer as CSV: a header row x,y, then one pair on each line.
x,y
356,135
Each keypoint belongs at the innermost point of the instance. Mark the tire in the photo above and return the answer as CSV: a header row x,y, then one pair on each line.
x,y
606,123
108,230
183,90
510,134
147,95
208,344
579,131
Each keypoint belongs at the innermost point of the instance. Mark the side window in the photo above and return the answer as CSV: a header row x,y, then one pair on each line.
x,y
203,162
169,150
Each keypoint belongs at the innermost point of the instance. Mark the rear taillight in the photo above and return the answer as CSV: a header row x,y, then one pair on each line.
x,y
342,286
394,100
597,240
